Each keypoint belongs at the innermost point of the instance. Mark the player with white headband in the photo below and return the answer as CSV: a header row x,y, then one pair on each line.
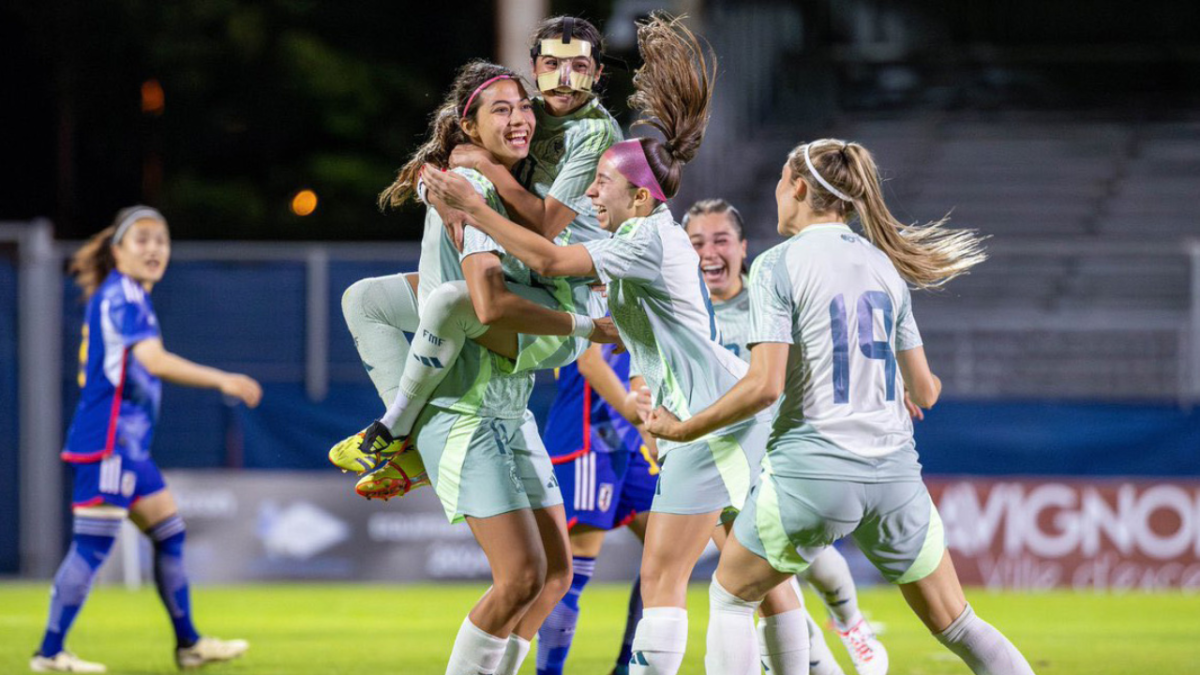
x,y
661,306
832,331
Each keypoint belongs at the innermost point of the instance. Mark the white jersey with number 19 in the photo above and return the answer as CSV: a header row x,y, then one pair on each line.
x,y
838,300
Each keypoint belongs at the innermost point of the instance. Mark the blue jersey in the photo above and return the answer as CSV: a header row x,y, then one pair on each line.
x,y
581,422
119,402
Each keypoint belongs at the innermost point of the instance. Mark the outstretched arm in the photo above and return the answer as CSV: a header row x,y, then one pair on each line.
x,y
539,253
600,375
163,364
547,217
757,391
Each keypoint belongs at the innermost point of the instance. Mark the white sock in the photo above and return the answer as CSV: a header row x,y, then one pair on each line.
x,y
659,641
783,641
732,643
820,658
447,321
475,652
829,575
514,655
984,649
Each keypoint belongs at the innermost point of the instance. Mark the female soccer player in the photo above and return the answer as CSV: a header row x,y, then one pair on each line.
x,y
484,457
718,235
122,365
546,194
607,476
841,459
661,307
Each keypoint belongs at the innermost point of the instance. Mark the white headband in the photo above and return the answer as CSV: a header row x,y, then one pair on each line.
x,y
138,213
824,183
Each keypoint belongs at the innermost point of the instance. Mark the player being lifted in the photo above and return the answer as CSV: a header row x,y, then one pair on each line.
x,y
717,232
832,331
122,365
544,192
661,307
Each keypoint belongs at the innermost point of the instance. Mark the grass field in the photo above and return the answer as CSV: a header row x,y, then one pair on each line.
x,y
318,629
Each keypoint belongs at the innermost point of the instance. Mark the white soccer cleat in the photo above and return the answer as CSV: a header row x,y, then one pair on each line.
x,y
209,650
866,651
64,662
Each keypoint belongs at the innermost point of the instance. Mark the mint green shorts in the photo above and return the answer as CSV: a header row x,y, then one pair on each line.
x,y
789,521
482,467
711,475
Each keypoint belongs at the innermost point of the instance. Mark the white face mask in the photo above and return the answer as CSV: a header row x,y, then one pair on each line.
x,y
565,76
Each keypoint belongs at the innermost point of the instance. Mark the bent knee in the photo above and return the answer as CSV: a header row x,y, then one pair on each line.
x,y
521,588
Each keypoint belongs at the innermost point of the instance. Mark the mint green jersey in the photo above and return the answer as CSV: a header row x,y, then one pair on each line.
x,y
562,163
733,320
478,382
662,310
846,312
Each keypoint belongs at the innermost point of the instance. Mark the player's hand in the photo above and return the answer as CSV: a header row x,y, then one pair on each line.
x,y
454,190
604,332
452,219
914,410
662,423
470,156
244,388
643,402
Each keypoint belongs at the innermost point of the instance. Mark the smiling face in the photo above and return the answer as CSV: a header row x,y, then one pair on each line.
x,y
615,199
503,122
144,251
722,252
564,100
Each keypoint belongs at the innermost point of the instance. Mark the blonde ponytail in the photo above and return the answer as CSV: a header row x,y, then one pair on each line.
x,y
926,256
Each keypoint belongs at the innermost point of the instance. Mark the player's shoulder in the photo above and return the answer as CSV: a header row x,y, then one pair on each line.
x,y
477,179
659,224
118,289
594,129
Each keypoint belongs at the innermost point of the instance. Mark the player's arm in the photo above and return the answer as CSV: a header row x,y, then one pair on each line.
x,y
539,253
757,391
547,217
172,368
601,377
497,306
921,386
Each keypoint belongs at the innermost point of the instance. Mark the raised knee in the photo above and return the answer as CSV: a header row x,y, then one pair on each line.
x,y
354,299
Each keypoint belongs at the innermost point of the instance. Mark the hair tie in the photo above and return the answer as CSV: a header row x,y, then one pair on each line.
x,y
824,183
480,88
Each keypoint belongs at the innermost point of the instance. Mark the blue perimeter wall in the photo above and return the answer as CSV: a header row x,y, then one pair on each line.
x,y
250,317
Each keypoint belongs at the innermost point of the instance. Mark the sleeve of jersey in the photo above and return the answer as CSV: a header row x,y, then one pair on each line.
x,y
474,239
634,252
135,321
771,308
908,336
580,167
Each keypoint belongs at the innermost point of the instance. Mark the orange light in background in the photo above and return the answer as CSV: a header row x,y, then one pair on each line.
x,y
304,202
153,99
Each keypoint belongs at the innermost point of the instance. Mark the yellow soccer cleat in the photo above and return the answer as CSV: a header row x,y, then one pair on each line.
x,y
365,450
397,477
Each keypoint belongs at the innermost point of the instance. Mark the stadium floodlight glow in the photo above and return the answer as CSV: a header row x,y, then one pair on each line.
x,y
304,202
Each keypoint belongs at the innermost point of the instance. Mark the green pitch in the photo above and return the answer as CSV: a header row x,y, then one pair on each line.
x,y
365,630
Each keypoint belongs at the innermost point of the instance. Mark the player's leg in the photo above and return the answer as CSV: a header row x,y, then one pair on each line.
x,y
830,576
902,536
99,508
637,497
783,635
743,579
155,513
558,630
513,546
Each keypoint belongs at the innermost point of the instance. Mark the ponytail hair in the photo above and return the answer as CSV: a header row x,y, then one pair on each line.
x,y
445,128
926,256
673,94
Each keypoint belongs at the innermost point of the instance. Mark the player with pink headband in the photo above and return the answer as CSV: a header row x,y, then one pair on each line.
x,y
661,306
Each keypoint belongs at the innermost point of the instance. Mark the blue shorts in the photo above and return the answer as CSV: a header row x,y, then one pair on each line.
x,y
605,490
115,481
